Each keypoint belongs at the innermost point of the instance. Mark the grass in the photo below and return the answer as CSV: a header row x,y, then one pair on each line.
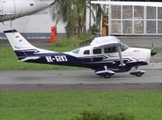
x,y
65,105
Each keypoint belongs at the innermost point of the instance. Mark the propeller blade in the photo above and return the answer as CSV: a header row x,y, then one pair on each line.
x,y
152,50
153,53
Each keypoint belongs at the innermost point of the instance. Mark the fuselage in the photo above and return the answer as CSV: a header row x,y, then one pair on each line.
x,y
94,58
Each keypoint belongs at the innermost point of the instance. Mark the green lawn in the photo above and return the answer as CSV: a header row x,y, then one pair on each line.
x,y
144,105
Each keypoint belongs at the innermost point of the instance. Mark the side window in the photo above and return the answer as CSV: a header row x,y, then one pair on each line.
x,y
110,50
106,50
96,51
86,52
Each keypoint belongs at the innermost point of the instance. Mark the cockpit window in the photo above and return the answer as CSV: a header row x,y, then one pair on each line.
x,y
124,47
86,52
114,49
76,51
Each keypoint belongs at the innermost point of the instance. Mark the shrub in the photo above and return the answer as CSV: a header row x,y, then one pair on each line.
x,y
99,115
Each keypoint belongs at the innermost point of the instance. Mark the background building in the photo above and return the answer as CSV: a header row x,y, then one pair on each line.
x,y
118,20
134,20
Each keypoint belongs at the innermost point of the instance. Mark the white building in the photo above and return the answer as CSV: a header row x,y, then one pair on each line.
x,y
123,20
135,20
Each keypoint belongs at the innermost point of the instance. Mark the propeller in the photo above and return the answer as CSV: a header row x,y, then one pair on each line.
x,y
152,54
152,50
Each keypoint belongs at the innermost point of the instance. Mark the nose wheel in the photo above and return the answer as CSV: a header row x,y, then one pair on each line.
x,y
138,73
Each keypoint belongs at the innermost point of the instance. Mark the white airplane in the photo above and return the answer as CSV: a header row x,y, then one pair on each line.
x,y
12,9
106,55
150,4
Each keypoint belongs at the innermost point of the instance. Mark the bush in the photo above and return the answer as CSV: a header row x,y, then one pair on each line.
x,y
94,29
98,115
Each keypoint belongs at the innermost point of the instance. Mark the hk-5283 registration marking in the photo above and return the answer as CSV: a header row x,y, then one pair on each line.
x,y
57,58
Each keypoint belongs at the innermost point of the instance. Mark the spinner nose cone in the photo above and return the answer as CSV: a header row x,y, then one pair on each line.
x,y
153,53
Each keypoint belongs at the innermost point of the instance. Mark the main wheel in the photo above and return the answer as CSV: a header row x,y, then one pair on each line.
x,y
139,74
107,75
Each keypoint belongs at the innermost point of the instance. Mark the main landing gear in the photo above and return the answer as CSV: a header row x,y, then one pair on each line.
x,y
105,73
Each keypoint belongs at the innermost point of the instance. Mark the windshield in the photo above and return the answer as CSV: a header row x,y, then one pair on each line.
x,y
124,47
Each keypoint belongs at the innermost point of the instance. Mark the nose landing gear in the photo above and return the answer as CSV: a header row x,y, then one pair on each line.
x,y
138,73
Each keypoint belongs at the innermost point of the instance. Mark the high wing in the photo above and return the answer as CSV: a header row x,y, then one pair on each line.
x,y
151,4
106,41
6,14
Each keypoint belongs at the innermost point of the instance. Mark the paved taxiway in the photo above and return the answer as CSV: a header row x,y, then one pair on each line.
x,y
85,79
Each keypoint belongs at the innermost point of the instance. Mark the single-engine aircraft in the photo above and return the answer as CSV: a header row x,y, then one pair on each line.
x,y
106,55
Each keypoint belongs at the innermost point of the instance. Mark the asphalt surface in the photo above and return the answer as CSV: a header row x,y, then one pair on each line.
x,y
54,80
84,79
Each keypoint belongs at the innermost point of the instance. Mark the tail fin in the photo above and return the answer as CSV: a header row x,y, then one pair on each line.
x,y
21,46
18,43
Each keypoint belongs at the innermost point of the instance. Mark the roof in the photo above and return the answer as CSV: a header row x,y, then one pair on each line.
x,y
105,41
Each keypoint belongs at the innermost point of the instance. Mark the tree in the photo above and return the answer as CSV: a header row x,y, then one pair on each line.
x,y
73,14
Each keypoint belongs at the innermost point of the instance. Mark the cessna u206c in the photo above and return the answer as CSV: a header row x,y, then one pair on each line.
x,y
106,55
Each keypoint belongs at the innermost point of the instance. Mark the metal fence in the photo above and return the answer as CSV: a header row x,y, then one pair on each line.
x,y
134,20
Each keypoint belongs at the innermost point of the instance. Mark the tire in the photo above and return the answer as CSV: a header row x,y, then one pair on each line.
x,y
139,74
107,76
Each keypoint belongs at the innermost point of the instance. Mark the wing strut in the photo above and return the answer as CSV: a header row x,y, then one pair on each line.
x,y
120,56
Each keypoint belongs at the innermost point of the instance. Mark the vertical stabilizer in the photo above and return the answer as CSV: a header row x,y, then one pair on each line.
x,y
17,41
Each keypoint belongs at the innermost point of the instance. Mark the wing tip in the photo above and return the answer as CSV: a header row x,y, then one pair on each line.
x,y
10,31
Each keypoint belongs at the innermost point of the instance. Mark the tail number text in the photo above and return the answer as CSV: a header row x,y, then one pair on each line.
x,y
58,58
